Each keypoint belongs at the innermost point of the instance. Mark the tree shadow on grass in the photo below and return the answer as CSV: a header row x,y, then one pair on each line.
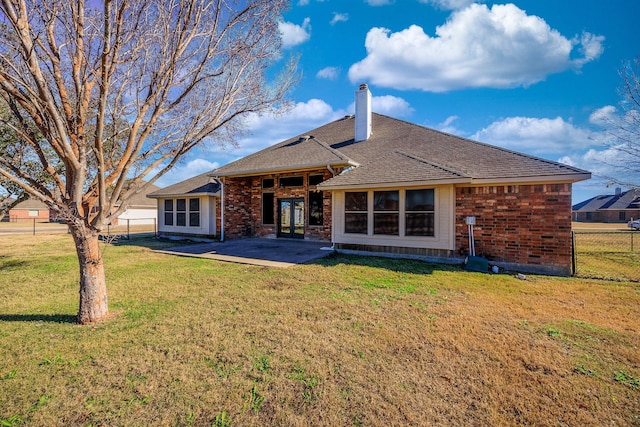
x,y
401,265
49,318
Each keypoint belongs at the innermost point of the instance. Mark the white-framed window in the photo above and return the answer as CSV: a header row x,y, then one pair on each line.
x,y
182,212
34,212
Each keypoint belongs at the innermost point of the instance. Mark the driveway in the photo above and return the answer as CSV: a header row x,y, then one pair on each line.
x,y
257,251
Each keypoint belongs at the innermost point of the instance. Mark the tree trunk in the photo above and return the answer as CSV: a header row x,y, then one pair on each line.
x,y
93,285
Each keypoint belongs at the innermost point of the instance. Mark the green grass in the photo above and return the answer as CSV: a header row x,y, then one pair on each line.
x,y
608,255
342,341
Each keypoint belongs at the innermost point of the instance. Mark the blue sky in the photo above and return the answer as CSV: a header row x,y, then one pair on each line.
x,y
530,75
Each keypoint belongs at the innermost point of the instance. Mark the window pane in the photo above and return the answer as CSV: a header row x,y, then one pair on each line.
x,y
268,183
181,205
315,208
292,181
168,205
355,223
181,219
386,200
315,179
420,224
386,223
267,209
194,205
355,201
194,219
168,218
419,200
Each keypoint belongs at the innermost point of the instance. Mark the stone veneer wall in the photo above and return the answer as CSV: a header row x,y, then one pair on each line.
x,y
521,226
243,206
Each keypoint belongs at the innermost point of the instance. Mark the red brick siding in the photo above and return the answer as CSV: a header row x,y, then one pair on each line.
x,y
521,224
23,214
243,206
611,216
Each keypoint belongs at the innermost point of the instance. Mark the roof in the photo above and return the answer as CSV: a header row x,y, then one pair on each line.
x,y
31,204
396,152
623,201
198,185
140,200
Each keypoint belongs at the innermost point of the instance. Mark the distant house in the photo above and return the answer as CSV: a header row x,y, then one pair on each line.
x,y
372,184
140,209
620,207
29,209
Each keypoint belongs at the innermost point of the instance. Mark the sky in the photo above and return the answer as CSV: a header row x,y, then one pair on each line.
x,y
534,76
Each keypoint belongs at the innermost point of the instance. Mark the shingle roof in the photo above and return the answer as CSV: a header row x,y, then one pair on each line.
x,y
397,151
200,184
31,204
140,200
627,200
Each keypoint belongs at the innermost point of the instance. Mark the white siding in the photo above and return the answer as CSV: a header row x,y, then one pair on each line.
x,y
139,216
207,218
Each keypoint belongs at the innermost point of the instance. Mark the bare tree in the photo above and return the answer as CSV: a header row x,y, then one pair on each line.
x,y
108,95
623,128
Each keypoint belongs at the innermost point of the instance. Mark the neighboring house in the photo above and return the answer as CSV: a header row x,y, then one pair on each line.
x,y
140,210
372,184
28,210
620,207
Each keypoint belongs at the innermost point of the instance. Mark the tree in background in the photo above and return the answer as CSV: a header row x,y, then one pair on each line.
x,y
107,96
623,128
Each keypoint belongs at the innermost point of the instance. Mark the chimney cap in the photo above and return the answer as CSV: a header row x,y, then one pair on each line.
x,y
364,86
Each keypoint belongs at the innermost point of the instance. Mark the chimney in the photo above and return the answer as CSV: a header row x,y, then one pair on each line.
x,y
363,113
618,191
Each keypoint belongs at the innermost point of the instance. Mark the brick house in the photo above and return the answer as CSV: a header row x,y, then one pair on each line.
x,y
620,207
30,209
372,184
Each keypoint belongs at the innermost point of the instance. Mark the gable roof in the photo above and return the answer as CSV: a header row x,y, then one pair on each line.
x,y
31,204
623,201
200,185
397,151
140,200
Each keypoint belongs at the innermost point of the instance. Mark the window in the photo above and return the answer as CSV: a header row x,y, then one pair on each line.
x,y
168,212
419,212
355,216
268,182
267,209
292,181
181,212
315,179
315,208
34,213
622,216
386,205
194,212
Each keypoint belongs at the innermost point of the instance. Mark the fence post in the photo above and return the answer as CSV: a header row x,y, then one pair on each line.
x,y
573,253
34,226
128,230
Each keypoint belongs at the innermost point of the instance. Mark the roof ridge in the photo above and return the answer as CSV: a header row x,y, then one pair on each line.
x,y
333,150
437,165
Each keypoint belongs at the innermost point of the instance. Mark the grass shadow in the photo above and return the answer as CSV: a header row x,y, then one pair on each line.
x,y
401,265
48,318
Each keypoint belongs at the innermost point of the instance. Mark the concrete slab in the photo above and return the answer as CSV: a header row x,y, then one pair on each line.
x,y
266,252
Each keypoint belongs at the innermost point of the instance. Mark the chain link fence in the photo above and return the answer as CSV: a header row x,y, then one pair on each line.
x,y
608,255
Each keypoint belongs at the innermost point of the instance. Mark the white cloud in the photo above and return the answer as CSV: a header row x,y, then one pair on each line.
x,y
448,126
603,116
379,2
339,17
449,4
537,136
329,73
292,34
500,47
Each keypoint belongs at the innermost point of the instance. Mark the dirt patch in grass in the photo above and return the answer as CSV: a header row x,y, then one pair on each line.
x,y
341,341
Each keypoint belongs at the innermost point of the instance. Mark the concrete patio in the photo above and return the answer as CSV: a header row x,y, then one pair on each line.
x,y
257,251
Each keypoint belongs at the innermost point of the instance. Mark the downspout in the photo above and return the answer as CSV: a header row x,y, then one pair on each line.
x,y
333,245
221,209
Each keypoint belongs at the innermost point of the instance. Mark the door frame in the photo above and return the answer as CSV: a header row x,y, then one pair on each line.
x,y
291,232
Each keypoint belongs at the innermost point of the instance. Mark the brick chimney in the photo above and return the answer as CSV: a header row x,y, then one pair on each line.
x,y
363,113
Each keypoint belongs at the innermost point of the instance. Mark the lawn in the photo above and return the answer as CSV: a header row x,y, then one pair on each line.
x,y
344,341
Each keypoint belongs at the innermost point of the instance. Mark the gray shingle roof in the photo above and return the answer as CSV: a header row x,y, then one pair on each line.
x,y
200,184
627,200
397,151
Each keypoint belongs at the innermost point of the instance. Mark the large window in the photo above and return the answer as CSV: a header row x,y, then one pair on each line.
x,y
168,212
194,212
355,215
315,208
386,205
419,212
267,209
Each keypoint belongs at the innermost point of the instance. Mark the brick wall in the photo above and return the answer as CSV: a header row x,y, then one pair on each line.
x,y
243,205
519,225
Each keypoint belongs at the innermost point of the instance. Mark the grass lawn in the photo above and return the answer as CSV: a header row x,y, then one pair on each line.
x,y
344,341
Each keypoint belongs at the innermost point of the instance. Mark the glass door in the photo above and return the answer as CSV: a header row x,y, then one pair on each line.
x,y
291,218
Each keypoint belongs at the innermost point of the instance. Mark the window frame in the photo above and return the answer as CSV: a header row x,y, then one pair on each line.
x,y
356,212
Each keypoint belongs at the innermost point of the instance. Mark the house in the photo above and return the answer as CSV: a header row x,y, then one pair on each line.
x,y
140,210
620,207
372,184
30,209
